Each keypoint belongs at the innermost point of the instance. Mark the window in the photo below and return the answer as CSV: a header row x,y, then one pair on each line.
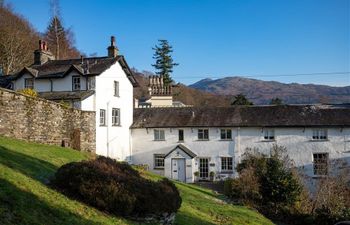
x,y
320,163
203,134
115,117
102,117
181,135
226,134
158,161
226,163
159,135
319,134
29,83
269,134
116,88
91,83
75,83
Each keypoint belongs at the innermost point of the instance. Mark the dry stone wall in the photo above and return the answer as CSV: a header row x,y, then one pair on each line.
x,y
34,119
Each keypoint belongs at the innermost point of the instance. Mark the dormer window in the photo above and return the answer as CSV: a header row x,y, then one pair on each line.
x,y
75,83
29,83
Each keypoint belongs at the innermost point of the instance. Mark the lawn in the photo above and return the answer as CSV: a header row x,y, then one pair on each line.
x,y
25,169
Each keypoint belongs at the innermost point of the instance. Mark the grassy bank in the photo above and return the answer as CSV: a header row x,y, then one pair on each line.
x,y
25,169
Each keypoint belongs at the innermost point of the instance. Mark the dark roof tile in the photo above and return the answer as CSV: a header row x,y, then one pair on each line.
x,y
243,116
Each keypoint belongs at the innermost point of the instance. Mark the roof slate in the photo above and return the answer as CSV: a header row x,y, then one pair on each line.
x,y
92,66
66,95
243,116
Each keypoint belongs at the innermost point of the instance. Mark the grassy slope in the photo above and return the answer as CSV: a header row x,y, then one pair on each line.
x,y
25,199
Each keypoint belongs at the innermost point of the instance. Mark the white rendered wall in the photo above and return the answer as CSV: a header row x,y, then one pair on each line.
x,y
144,147
58,84
298,141
299,144
114,141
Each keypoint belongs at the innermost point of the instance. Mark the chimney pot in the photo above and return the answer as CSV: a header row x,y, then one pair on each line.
x,y
112,41
40,45
112,49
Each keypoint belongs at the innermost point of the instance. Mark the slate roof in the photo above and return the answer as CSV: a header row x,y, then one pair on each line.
x,y
184,149
66,95
244,116
92,66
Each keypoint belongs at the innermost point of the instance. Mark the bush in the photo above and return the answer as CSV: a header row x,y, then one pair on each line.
x,y
28,91
116,188
265,182
244,189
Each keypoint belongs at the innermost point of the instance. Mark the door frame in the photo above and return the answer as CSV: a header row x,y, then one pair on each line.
x,y
184,168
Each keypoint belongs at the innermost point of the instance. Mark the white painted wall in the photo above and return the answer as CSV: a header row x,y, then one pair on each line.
x,y
114,141
144,147
298,141
58,84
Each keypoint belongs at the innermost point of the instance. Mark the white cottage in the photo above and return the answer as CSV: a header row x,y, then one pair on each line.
x,y
100,84
178,142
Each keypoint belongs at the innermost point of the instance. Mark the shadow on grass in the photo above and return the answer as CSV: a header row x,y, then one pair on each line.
x,y
197,188
184,219
21,207
35,168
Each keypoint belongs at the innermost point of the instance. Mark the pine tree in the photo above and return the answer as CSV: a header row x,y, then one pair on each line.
x,y
276,101
164,61
241,99
59,39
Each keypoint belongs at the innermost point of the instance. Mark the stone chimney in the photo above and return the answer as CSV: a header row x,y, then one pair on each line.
x,y
42,55
112,49
161,94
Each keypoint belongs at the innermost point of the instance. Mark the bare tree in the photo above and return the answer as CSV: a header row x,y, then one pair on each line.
x,y
17,41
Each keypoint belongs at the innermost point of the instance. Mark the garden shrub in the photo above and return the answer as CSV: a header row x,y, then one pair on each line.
x,y
28,91
116,188
265,182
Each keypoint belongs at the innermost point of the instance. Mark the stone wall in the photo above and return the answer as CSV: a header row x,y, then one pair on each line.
x,y
47,122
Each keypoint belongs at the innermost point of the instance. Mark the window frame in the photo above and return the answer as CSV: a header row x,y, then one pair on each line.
x,y
158,161
319,134
74,84
203,132
26,84
226,164
116,88
225,132
115,118
157,135
102,117
269,135
182,135
318,163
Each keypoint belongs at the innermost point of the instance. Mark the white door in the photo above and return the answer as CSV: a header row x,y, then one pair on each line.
x,y
179,169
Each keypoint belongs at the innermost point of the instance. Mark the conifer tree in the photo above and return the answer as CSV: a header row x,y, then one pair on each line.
x,y
164,61
59,39
241,99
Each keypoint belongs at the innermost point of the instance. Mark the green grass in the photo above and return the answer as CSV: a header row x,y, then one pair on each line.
x,y
25,169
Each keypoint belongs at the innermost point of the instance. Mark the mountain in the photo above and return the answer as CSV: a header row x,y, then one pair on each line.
x,y
183,93
261,92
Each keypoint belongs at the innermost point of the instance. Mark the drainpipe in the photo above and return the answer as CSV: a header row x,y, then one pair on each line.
x,y
107,123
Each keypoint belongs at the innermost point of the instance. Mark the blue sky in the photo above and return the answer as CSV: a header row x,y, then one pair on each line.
x,y
269,40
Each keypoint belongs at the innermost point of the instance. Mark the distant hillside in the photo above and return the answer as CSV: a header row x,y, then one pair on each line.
x,y
183,93
261,92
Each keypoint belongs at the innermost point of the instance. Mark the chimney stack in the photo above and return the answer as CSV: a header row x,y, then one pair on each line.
x,y
42,54
112,49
